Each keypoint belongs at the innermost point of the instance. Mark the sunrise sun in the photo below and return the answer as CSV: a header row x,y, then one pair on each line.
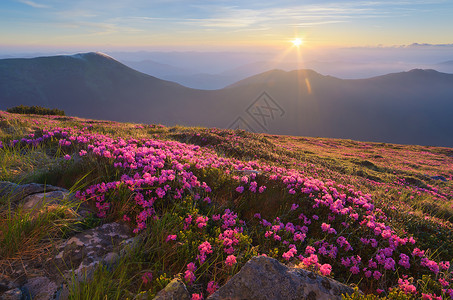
x,y
297,42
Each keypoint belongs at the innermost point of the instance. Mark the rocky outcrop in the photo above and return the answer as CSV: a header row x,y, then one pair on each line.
x,y
81,254
35,198
176,289
76,258
264,278
439,177
73,259
17,192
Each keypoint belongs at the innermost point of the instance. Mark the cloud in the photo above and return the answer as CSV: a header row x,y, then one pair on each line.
x,y
299,15
33,4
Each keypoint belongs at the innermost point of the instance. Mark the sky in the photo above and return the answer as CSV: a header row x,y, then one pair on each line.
x,y
217,24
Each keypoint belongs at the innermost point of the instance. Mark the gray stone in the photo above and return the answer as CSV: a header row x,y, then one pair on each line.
x,y
48,201
264,278
36,203
440,177
110,260
41,288
17,192
7,188
175,290
14,294
248,172
6,283
79,255
62,293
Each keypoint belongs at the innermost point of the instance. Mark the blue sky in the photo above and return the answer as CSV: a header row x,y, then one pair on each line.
x,y
178,24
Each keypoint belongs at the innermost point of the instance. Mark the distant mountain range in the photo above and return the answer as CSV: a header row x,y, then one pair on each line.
x,y
344,69
412,107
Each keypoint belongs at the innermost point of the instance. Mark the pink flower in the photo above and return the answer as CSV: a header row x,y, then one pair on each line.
x,y
147,277
197,297
230,260
346,261
189,276
325,227
418,252
444,265
67,157
191,267
201,221
212,287
171,237
290,253
204,248
354,270
325,269
187,222
310,250
443,282
406,287
377,275
404,261
240,189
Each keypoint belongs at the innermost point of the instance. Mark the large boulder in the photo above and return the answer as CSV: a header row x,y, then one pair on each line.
x,y
264,278
176,289
80,254
17,192
72,259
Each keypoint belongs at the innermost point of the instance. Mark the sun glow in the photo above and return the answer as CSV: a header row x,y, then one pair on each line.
x,y
297,42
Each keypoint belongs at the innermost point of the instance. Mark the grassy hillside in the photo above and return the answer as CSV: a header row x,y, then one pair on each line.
x,y
204,201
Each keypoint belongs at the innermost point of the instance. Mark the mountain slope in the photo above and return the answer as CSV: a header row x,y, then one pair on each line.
x,y
408,107
90,84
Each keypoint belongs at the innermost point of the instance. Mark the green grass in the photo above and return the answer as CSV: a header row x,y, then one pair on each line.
x,y
29,233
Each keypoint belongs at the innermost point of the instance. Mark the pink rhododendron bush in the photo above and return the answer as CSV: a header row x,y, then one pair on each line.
x,y
204,201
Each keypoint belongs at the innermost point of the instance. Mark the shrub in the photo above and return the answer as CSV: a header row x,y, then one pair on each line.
x,y
37,110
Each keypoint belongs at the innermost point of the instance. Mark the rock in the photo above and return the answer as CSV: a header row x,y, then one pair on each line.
x,y
73,259
176,289
265,278
36,203
6,283
17,192
14,294
41,288
248,172
84,251
442,178
110,260
7,188
415,182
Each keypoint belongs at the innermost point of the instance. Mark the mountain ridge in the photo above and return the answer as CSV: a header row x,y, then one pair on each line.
x,y
409,107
